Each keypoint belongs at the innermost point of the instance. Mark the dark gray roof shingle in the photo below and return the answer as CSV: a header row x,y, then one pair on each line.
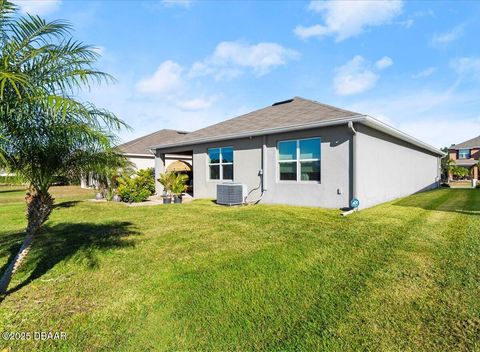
x,y
471,143
291,112
142,145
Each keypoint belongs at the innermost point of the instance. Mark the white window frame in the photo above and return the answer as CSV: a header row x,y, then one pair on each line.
x,y
220,164
298,161
469,153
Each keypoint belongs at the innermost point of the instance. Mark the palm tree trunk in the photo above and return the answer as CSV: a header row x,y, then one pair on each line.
x,y
39,207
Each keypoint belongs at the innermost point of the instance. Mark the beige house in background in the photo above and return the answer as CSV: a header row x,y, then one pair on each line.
x,y
139,154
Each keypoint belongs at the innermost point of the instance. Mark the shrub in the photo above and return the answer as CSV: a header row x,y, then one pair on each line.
x,y
179,184
166,180
146,178
11,180
138,188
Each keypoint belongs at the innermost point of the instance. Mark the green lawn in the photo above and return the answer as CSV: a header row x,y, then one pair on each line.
x,y
403,276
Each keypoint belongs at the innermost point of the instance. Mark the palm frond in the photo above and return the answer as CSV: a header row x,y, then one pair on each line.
x,y
48,131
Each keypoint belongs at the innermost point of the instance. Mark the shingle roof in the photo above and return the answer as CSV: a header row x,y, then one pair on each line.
x,y
141,145
289,115
471,143
283,114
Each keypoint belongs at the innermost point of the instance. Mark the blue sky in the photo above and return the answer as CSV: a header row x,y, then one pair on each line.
x,y
188,64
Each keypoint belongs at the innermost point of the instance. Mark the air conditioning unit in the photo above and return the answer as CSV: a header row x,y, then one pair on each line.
x,y
231,193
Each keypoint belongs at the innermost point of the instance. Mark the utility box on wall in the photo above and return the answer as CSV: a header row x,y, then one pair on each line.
x,y
231,193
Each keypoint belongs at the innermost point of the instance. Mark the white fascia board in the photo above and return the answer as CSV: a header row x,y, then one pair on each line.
x,y
132,155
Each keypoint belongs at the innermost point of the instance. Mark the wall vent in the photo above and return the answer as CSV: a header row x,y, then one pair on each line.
x,y
282,102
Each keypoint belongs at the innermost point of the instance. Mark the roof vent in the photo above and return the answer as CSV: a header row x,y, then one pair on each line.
x,y
282,102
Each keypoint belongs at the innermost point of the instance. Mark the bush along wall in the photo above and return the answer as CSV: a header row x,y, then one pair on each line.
x,y
137,188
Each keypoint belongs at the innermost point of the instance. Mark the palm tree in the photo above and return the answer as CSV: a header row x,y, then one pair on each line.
x,y
448,167
45,130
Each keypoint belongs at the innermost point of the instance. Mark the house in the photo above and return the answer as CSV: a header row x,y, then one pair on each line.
x,y
467,155
302,152
139,154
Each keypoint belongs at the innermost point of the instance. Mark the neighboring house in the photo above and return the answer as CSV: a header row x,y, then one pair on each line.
x,y
302,152
466,154
139,154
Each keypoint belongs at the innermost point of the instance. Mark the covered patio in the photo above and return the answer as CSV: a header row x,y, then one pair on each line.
x,y
180,161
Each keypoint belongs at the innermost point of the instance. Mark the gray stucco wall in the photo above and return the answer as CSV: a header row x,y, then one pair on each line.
x,y
247,161
335,169
389,168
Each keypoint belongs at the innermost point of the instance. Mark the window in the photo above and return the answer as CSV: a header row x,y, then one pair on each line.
x,y
220,163
464,153
299,160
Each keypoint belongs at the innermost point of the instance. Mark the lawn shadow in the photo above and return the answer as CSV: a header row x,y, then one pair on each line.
x,y
63,241
12,190
66,204
470,207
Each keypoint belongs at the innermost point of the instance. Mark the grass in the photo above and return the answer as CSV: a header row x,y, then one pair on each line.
x,y
402,276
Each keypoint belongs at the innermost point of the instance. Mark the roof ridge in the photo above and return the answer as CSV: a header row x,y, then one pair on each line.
x,y
465,143
230,119
273,106
327,105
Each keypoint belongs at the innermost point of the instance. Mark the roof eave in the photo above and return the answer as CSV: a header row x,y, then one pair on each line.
x,y
383,127
464,147
354,118
138,155
365,119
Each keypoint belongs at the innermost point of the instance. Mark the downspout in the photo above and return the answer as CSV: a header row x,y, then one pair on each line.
x,y
354,159
354,165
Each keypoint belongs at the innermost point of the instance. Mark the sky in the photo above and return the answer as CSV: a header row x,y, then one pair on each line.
x,y
188,64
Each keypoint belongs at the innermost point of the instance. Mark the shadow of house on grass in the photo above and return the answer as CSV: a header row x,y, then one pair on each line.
x,y
64,241
471,207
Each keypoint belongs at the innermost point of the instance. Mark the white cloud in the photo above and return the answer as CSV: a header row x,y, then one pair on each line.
x,y
407,23
177,3
448,130
229,58
439,116
384,62
196,104
467,66
424,73
344,19
440,39
147,113
38,7
357,75
166,79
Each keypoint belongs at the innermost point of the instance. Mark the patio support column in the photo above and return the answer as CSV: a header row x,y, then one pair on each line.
x,y
159,169
475,172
